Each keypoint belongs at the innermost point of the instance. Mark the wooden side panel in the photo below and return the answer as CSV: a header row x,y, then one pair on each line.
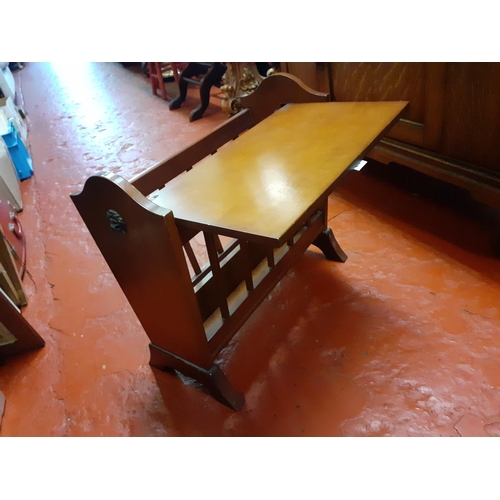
x,y
143,250
314,75
382,82
279,89
471,129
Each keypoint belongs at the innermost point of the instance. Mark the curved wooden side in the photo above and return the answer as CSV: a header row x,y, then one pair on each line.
x,y
277,90
142,247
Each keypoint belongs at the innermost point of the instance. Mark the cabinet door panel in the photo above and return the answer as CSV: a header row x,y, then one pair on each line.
x,y
382,82
471,128
386,81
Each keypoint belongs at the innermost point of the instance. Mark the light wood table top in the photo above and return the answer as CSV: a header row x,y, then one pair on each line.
x,y
262,183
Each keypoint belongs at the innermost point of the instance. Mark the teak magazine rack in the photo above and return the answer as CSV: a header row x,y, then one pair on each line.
x,y
264,181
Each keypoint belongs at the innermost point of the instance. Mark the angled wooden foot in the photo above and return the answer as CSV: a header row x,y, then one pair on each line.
x,y
212,379
327,243
176,103
213,77
188,72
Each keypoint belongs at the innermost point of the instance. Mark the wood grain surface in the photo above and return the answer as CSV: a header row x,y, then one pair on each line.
x,y
383,81
471,127
265,181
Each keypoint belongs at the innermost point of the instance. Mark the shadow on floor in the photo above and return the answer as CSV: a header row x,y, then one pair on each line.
x,y
431,210
296,360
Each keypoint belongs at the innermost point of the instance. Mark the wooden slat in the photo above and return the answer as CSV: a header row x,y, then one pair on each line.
x,y
216,272
270,257
232,275
7,261
247,267
192,258
226,331
7,286
158,175
218,245
205,271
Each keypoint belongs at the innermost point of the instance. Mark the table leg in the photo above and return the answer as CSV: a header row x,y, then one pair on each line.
x,y
212,379
327,243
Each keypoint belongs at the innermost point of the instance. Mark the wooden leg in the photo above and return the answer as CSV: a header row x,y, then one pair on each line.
x,y
210,240
213,77
212,379
156,77
188,72
327,243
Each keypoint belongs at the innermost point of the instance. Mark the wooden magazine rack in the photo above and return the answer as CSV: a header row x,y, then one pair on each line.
x,y
273,211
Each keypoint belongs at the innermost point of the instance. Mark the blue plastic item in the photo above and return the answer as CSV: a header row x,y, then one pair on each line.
x,y
18,152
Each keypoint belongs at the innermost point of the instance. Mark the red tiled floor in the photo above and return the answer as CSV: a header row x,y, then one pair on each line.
x,y
401,340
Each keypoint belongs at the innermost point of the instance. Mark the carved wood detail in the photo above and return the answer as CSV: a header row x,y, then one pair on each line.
x,y
240,79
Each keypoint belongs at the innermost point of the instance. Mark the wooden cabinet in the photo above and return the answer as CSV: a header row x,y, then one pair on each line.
x,y
452,125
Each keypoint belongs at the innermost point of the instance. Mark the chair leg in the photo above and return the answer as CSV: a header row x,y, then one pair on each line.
x,y
175,69
156,77
213,77
188,72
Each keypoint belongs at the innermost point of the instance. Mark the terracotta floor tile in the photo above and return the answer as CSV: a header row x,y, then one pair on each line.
x,y
401,340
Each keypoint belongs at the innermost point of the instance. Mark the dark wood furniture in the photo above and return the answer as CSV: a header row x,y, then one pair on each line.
x,y
204,75
12,266
16,334
266,189
452,126
159,72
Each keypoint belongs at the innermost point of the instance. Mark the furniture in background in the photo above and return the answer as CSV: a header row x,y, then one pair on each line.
x,y
17,150
16,334
267,189
158,72
204,75
7,84
240,79
12,254
453,123
9,181
15,161
15,165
